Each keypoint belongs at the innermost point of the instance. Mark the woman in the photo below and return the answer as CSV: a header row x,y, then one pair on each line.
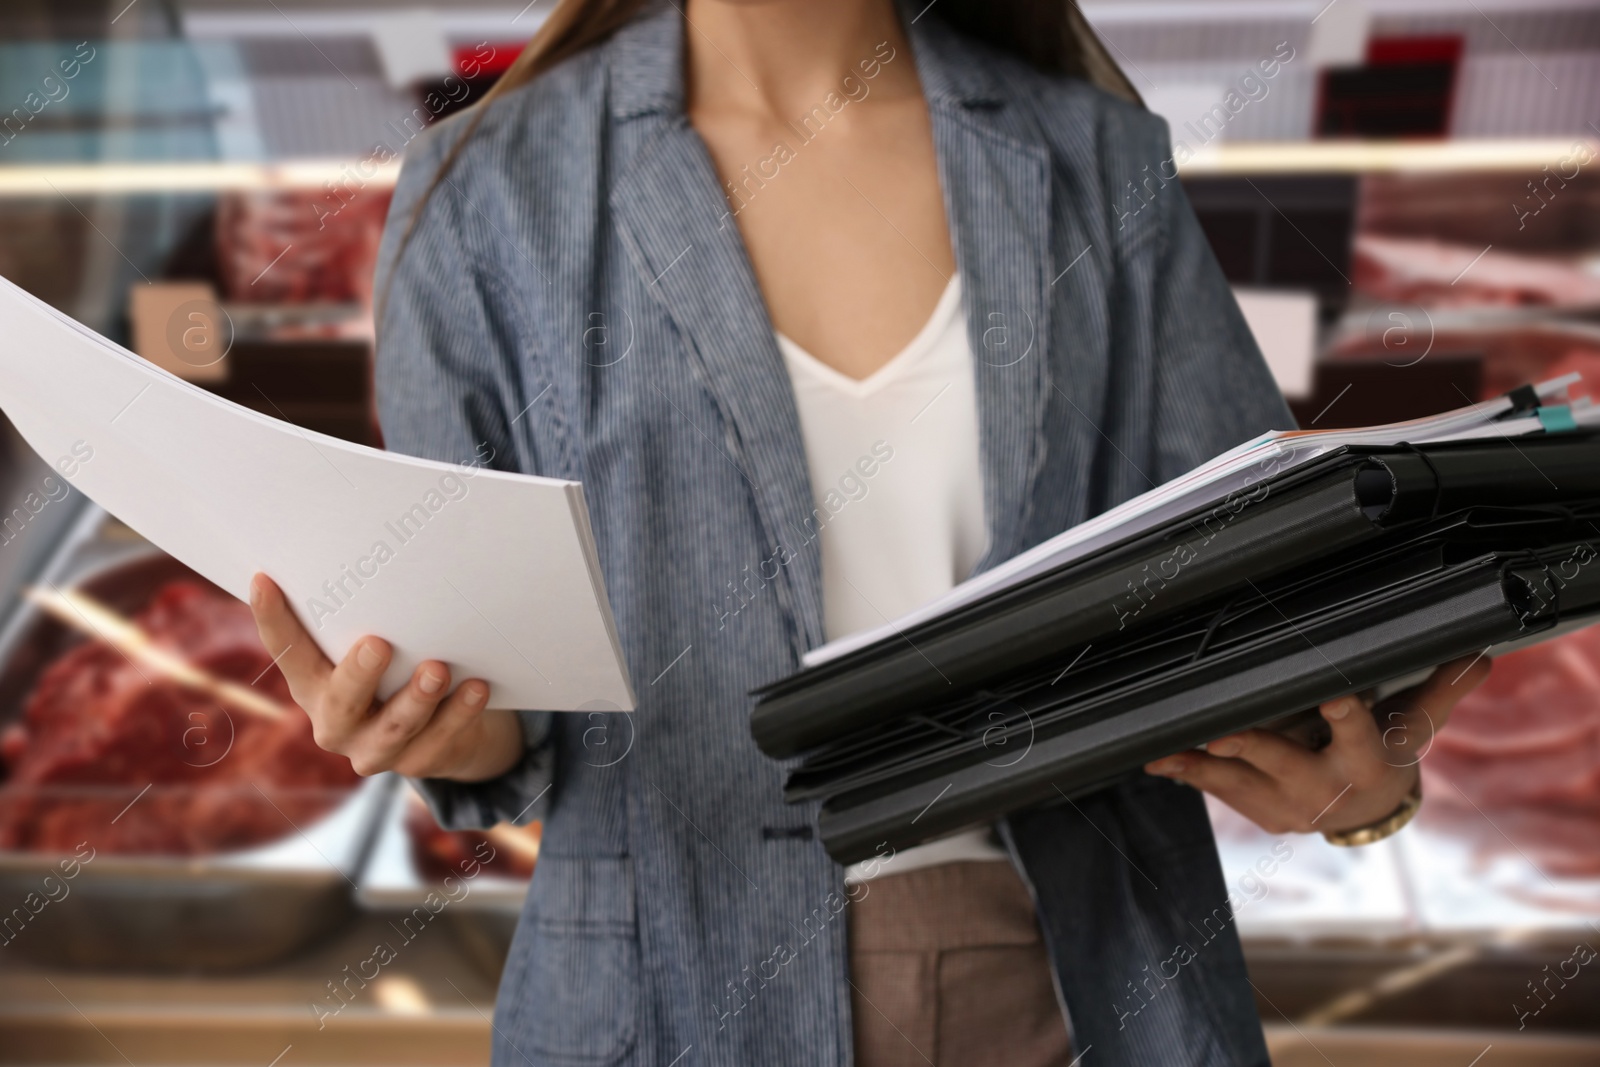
x,y
828,304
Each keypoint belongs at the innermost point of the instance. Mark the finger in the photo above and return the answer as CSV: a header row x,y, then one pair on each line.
x,y
1409,720
296,654
437,741
348,693
1353,724
1272,754
1368,743
1438,696
1234,782
384,734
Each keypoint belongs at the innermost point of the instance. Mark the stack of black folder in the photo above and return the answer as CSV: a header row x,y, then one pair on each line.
x,y
1336,575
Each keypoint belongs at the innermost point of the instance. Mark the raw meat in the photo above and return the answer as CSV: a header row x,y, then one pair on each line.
x,y
512,850
1434,274
1518,767
295,246
1513,359
98,729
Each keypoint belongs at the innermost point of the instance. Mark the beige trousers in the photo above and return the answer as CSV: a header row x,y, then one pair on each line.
x,y
948,969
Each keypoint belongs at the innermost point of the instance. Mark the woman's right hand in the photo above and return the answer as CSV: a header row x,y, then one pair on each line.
x,y
425,730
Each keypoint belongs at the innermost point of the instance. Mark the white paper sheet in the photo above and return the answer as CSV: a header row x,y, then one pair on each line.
x,y
492,573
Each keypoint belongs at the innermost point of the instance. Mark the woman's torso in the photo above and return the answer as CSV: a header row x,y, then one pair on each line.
x,y
572,303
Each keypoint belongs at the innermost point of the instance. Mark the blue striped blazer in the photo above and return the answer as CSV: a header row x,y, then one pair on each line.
x,y
573,304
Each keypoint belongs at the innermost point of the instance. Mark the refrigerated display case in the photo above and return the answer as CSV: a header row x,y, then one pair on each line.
x,y
204,144
142,778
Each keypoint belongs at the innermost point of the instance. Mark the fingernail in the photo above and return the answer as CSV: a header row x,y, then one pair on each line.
x,y
1172,765
1228,746
1340,708
475,695
430,683
368,655
255,591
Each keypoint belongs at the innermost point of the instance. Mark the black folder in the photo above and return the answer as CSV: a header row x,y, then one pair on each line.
x,y
1359,568
1343,499
1051,738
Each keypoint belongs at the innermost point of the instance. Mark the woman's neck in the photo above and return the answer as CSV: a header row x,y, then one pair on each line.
x,y
777,58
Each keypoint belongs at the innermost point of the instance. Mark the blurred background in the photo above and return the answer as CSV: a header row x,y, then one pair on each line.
x,y
1403,192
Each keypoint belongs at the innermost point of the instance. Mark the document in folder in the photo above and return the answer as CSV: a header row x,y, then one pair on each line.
x,y
493,573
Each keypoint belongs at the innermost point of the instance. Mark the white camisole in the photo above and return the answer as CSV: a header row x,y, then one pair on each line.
x,y
898,493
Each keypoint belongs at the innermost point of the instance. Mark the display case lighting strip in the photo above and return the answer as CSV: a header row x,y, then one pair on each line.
x,y
129,179
1364,157
1260,157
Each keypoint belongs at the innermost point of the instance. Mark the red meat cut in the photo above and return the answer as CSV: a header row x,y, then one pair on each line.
x,y
98,729
507,851
1518,767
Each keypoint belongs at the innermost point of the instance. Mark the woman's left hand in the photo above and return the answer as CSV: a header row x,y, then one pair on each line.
x,y
1361,777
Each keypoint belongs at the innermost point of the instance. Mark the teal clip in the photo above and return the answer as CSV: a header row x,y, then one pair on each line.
x,y
1557,418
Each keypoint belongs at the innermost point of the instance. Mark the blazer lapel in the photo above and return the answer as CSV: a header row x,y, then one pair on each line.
x,y
996,178
670,208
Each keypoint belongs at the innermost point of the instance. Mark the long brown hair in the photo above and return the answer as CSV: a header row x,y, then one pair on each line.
x,y
1052,35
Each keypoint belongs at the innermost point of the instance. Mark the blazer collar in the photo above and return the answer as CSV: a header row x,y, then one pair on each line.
x,y
951,69
646,61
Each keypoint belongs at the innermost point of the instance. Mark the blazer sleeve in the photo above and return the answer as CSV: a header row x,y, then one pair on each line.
x,y
446,383
1212,387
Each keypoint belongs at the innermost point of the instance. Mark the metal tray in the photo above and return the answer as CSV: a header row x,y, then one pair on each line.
x,y
225,911
482,921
